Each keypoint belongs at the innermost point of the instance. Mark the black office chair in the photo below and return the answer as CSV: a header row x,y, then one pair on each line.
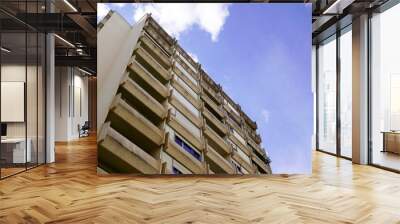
x,y
84,130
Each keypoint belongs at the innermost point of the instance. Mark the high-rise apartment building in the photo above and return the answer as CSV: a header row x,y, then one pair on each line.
x,y
161,113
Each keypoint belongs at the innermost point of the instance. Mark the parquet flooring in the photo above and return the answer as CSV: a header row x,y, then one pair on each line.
x,y
69,191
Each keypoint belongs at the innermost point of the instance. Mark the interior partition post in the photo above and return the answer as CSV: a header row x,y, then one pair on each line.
x,y
50,92
317,97
360,90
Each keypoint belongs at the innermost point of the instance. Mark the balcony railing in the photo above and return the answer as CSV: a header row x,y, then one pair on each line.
x,y
178,153
187,80
147,80
159,69
155,50
132,92
255,147
130,123
217,109
188,59
215,121
239,144
186,112
223,163
184,132
217,142
186,68
260,163
242,162
194,101
158,35
215,96
118,154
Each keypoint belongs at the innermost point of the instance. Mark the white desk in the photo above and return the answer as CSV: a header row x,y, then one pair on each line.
x,y
18,149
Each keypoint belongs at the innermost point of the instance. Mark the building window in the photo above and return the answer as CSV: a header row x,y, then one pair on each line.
x,y
187,148
176,171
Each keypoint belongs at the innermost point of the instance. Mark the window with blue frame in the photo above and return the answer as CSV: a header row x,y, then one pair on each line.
x,y
187,148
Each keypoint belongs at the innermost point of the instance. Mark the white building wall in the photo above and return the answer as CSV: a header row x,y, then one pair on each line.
x,y
117,39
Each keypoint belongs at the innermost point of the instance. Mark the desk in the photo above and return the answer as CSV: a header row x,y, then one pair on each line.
x,y
13,150
391,141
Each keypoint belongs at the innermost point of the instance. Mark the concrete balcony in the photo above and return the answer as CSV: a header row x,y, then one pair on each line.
x,y
185,158
218,163
237,142
142,101
155,50
255,147
189,82
215,96
186,57
186,112
117,154
185,133
159,36
186,67
233,124
216,141
235,119
217,124
244,163
146,80
195,101
134,126
152,65
255,137
216,108
260,163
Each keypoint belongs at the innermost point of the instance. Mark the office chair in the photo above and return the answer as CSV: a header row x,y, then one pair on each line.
x,y
84,130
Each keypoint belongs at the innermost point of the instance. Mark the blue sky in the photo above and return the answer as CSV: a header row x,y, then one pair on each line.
x,y
261,55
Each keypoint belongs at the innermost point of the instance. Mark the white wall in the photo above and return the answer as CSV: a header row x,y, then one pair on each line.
x,y
115,43
67,115
12,73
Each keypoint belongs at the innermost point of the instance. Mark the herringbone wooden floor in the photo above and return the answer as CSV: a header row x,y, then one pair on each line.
x,y
69,191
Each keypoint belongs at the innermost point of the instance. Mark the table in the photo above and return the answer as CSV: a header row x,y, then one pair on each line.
x,y
13,150
391,141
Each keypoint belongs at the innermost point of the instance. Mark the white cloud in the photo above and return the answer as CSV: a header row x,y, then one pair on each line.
x,y
266,115
194,57
120,4
177,18
102,10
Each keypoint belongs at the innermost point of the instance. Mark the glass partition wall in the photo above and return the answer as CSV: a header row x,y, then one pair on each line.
x,y
326,60
385,89
345,62
22,78
334,75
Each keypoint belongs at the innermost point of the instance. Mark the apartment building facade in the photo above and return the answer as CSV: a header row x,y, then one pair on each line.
x,y
161,113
